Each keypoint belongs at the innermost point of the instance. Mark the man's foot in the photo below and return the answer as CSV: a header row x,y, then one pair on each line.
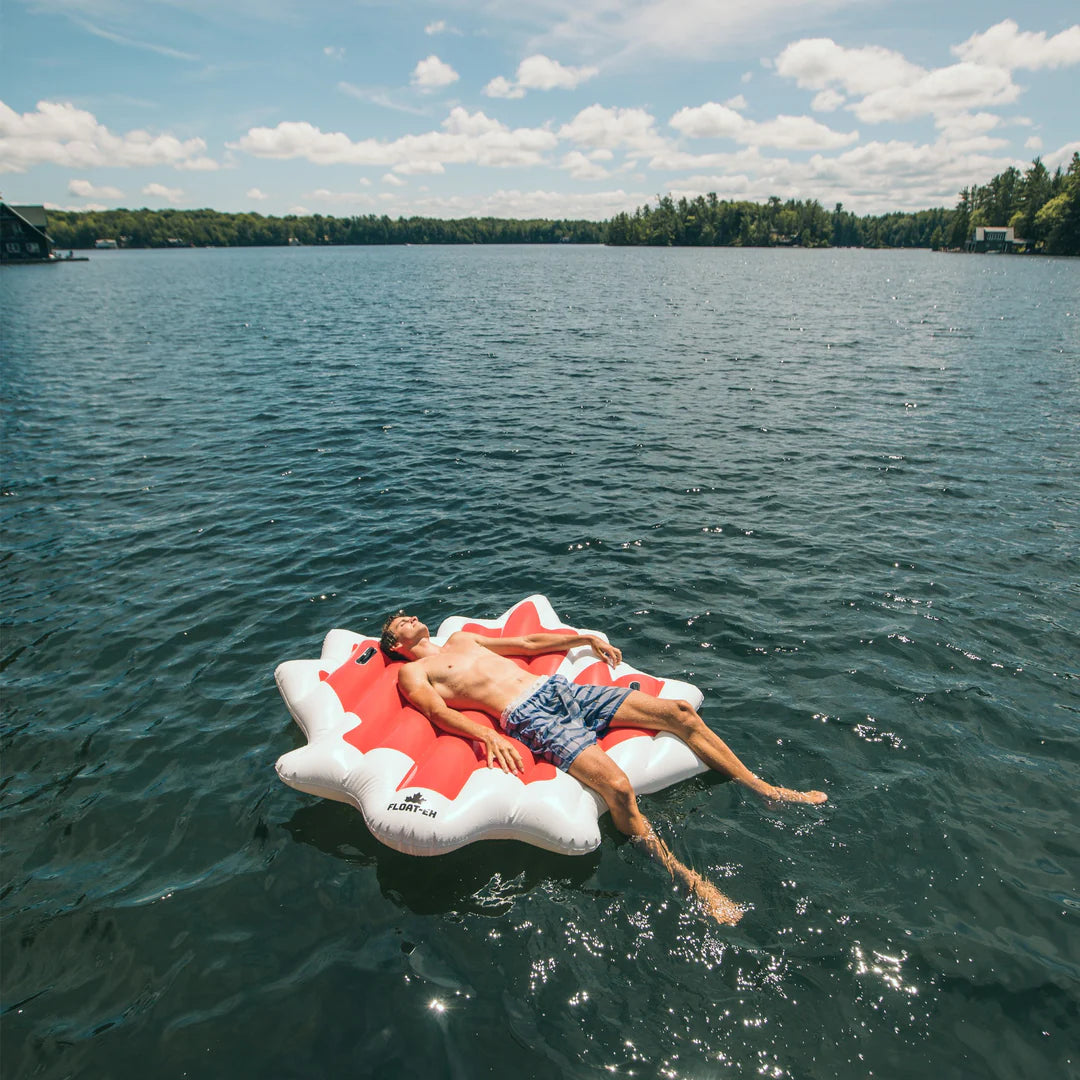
x,y
723,909
783,794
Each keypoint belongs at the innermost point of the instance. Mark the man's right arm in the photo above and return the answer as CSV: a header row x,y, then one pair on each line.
x,y
417,688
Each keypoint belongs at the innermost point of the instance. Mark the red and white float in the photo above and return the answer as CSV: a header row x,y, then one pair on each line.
x,y
426,792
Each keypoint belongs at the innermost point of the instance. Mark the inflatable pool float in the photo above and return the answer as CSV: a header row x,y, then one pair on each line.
x,y
427,792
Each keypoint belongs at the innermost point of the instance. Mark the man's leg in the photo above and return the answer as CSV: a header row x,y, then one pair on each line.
x,y
596,770
663,714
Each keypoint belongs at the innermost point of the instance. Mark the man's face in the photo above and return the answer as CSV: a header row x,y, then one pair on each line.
x,y
408,630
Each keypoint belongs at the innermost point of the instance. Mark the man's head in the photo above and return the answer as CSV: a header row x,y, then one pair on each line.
x,y
400,633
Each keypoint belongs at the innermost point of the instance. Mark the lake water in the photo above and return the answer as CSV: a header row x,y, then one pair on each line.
x,y
838,490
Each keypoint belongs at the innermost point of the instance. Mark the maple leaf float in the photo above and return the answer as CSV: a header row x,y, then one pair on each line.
x,y
427,792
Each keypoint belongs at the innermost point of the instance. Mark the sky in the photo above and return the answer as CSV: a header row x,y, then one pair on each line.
x,y
541,108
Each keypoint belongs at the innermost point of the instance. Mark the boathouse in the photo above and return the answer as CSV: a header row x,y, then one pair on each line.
x,y
22,234
999,239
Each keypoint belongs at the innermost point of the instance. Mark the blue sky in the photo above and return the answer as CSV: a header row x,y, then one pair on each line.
x,y
551,108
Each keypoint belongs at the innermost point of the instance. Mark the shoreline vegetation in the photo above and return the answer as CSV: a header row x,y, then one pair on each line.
x,y
1042,208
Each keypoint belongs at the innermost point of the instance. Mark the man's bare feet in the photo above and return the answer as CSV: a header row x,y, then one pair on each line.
x,y
723,909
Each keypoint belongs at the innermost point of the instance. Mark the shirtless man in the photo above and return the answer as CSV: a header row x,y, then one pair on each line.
x,y
471,671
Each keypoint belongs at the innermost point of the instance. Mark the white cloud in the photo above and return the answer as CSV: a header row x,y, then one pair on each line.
x,y
58,133
467,138
819,63
1005,45
255,193
501,87
827,101
433,74
891,88
160,191
738,102
421,168
938,93
539,72
785,132
440,26
1034,143
708,121
968,125
610,129
85,190
462,122
335,52
1062,156
582,168
392,180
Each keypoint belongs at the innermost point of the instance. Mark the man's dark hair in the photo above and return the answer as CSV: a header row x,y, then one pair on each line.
x,y
387,641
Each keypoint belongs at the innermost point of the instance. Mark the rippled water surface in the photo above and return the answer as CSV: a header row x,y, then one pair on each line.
x,y
838,490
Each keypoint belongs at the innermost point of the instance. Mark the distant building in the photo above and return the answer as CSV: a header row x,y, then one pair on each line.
x,y
22,234
995,239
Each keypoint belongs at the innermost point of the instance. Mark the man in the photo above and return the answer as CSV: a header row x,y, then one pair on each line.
x,y
560,721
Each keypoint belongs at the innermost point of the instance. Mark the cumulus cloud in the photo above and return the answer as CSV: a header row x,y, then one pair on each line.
x,y
785,132
539,72
466,138
888,87
433,74
612,129
827,101
953,89
501,87
392,180
1034,143
160,191
440,26
57,133
335,52
818,63
581,167
255,193
1062,156
1005,45
85,190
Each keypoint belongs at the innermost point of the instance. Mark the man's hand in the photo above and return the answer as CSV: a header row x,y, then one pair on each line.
x,y
605,651
502,752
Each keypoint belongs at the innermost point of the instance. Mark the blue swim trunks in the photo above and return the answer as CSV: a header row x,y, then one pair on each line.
x,y
557,719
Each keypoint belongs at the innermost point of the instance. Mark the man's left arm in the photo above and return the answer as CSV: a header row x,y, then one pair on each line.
x,y
537,644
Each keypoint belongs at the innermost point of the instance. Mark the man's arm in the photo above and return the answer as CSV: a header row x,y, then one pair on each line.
x,y
417,688
537,644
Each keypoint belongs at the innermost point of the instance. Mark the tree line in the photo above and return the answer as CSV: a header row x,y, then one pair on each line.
x,y
212,228
1043,208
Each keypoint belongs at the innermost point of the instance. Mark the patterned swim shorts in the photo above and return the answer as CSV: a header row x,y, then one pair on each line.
x,y
557,719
